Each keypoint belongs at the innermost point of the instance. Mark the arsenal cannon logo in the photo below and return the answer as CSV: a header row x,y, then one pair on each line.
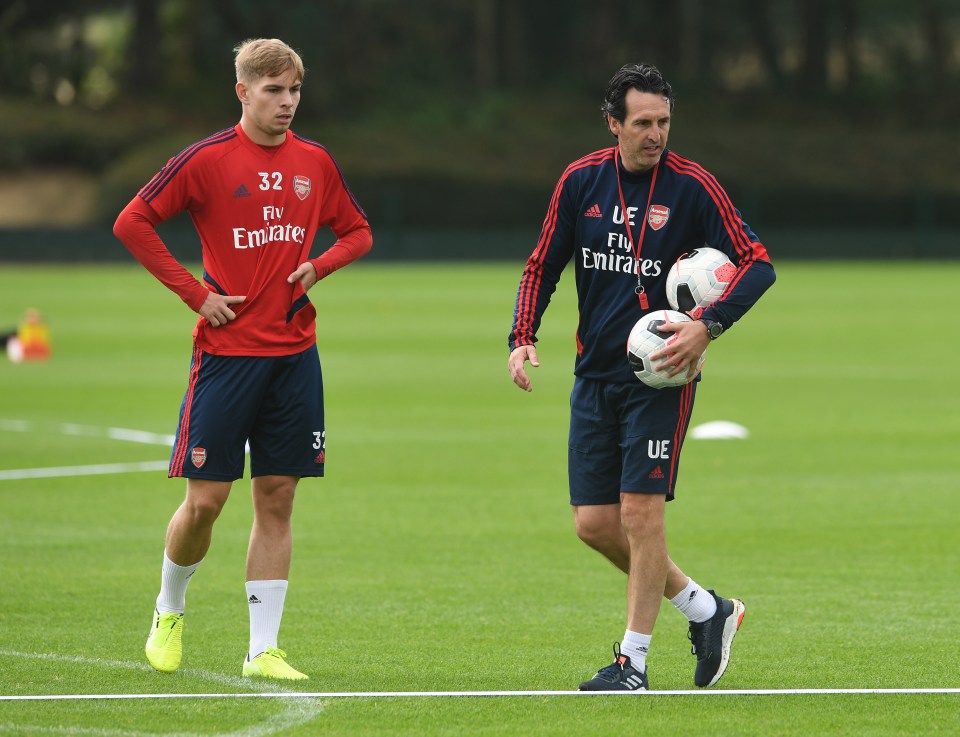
x,y
301,186
657,217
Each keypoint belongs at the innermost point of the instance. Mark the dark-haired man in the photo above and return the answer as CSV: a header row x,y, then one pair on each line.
x,y
624,215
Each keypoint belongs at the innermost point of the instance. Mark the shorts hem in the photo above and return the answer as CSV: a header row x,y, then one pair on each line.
x,y
312,473
204,476
601,502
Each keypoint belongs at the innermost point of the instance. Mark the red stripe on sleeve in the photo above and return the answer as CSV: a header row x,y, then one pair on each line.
x,y
533,273
733,223
747,251
162,177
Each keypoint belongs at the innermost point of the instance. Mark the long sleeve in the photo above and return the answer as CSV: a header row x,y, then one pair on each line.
x,y
545,265
724,228
347,249
752,280
136,229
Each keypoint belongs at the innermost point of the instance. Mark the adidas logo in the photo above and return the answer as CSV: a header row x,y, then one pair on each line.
x,y
593,212
656,473
253,599
241,191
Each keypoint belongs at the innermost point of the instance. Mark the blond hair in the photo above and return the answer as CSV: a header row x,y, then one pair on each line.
x,y
265,57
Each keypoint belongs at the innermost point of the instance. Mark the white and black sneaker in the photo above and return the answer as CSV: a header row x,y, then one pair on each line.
x,y
711,641
618,676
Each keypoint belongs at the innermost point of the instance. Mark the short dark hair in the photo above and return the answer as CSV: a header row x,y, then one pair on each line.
x,y
642,77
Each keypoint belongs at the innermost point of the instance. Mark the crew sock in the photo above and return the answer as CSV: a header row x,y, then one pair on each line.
x,y
695,603
173,585
265,599
635,646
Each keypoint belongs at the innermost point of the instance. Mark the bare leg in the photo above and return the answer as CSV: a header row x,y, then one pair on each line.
x,y
268,567
599,526
643,523
677,580
271,538
191,527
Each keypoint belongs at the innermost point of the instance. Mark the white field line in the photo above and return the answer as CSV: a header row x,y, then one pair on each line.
x,y
480,694
273,690
294,713
69,428
97,469
119,433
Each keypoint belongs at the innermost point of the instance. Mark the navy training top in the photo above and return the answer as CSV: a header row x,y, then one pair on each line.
x,y
585,222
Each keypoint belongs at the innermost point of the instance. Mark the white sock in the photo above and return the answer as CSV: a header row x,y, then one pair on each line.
x,y
173,585
265,599
695,603
635,647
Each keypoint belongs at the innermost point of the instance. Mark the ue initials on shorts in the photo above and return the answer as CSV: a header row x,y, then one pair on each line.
x,y
658,449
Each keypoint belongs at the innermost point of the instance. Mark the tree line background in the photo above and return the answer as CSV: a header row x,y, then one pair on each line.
x,y
462,113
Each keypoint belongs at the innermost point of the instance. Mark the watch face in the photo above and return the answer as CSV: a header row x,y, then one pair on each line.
x,y
714,328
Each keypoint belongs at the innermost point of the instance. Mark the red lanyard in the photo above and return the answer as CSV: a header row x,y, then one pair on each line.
x,y
638,246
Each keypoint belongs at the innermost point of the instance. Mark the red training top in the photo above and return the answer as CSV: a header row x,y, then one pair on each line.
x,y
257,210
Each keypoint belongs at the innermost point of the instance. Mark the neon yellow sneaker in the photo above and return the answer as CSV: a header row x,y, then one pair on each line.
x,y
271,664
164,648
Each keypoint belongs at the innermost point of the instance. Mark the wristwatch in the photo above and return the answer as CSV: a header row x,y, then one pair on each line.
x,y
714,329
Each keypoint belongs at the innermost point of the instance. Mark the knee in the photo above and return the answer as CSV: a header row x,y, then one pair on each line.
x,y
586,531
204,510
205,500
274,498
641,516
595,531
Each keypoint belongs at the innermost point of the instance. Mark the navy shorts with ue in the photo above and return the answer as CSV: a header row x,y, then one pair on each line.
x,y
274,402
625,438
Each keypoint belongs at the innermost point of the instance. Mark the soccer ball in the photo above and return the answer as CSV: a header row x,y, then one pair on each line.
x,y
645,338
698,279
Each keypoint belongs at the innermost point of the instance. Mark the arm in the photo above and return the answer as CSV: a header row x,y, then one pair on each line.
x,y
347,249
344,216
725,229
136,229
539,281
754,276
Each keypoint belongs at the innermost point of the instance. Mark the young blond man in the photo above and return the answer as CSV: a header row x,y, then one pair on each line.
x,y
257,194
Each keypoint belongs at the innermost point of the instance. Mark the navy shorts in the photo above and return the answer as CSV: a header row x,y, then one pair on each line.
x,y
625,438
274,402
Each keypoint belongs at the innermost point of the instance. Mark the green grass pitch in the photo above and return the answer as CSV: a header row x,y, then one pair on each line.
x,y
438,553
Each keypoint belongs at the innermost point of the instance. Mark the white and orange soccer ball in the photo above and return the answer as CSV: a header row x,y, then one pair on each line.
x,y
646,338
698,279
